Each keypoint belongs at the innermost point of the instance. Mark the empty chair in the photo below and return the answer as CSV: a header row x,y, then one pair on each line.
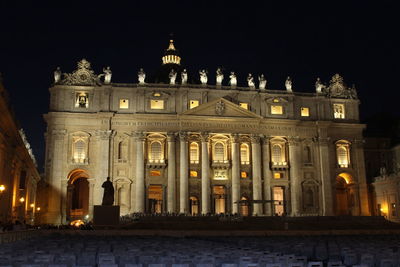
x,y
103,259
229,265
57,265
315,264
276,264
387,263
367,259
296,264
350,259
360,265
334,263
204,265
156,265
133,265
180,265
107,265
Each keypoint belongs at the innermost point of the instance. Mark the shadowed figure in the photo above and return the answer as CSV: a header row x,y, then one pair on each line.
x,y
108,196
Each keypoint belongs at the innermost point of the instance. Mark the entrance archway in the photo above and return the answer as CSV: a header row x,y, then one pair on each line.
x,y
155,198
344,197
77,195
244,206
219,199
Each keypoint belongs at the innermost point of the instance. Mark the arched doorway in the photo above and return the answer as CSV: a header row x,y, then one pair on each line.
x,y
344,197
194,205
219,199
77,195
244,206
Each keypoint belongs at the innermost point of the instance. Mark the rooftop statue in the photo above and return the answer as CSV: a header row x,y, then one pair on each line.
x,y
220,76
233,79
107,75
319,86
57,75
184,76
263,82
203,77
250,81
172,76
288,84
141,76
83,75
108,196
338,89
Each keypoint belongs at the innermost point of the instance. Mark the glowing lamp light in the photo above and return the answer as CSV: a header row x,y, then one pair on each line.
x,y
32,205
38,208
22,200
2,188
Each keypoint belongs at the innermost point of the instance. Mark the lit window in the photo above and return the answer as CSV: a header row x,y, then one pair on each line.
x,y
277,175
79,151
243,174
194,153
193,173
82,100
278,155
123,103
155,152
343,154
156,94
155,173
276,110
220,175
338,111
244,105
157,104
219,152
276,100
244,154
193,103
305,112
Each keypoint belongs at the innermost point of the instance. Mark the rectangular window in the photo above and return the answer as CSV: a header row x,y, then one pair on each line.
x,y
155,173
157,104
193,104
305,112
338,111
82,100
277,175
244,105
276,110
124,103
243,174
193,173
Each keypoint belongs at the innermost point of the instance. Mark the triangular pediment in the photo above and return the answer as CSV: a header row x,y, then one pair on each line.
x,y
221,108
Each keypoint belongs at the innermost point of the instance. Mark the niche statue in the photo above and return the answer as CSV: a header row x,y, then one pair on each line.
x,y
108,196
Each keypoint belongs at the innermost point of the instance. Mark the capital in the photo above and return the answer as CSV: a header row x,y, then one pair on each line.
x,y
171,137
104,134
59,133
323,141
139,136
294,141
234,138
265,139
205,137
255,139
183,136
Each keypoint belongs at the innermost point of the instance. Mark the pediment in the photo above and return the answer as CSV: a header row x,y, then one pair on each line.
x,y
221,108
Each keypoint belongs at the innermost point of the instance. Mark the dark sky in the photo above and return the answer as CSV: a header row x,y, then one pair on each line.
x,y
302,39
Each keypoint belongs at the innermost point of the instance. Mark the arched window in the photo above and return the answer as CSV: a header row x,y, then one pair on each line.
x,y
194,205
309,198
194,153
122,150
244,206
307,155
155,151
219,152
276,152
79,151
343,154
244,154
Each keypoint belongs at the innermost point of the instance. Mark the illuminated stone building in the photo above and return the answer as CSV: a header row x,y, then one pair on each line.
x,y
197,148
18,172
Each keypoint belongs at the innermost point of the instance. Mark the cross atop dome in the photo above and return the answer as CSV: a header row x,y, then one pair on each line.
x,y
171,55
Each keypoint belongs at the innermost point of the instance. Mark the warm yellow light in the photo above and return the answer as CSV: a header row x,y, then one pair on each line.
x,y
277,110
38,208
157,104
305,112
277,175
244,105
193,173
124,103
22,199
2,188
193,103
32,205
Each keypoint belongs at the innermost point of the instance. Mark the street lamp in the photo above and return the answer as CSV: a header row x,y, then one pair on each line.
x,y
2,188
22,200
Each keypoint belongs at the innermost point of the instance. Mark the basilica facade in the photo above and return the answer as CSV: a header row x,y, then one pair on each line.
x,y
202,148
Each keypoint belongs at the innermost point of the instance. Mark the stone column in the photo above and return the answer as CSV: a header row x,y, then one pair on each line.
x,y
64,186
139,185
103,163
184,171
294,158
326,180
235,173
53,214
358,146
92,183
256,170
205,174
171,206
267,175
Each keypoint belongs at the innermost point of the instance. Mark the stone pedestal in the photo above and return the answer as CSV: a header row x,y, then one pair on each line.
x,y
105,215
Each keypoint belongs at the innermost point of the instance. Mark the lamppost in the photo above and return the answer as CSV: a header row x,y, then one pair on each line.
x,y
3,214
32,213
22,211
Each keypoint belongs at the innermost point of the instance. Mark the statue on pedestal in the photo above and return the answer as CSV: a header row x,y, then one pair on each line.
x,y
262,81
203,77
319,86
108,196
220,76
288,84
141,76
250,81
172,76
233,79
57,75
184,76
107,75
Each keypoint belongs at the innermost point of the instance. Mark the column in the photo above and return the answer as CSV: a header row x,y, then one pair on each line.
x,y
267,174
256,170
183,179
358,146
171,207
103,163
294,157
205,174
91,196
235,173
53,214
64,196
140,138
325,174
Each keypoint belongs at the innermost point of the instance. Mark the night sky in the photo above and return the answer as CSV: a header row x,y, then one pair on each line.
x,y
278,38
